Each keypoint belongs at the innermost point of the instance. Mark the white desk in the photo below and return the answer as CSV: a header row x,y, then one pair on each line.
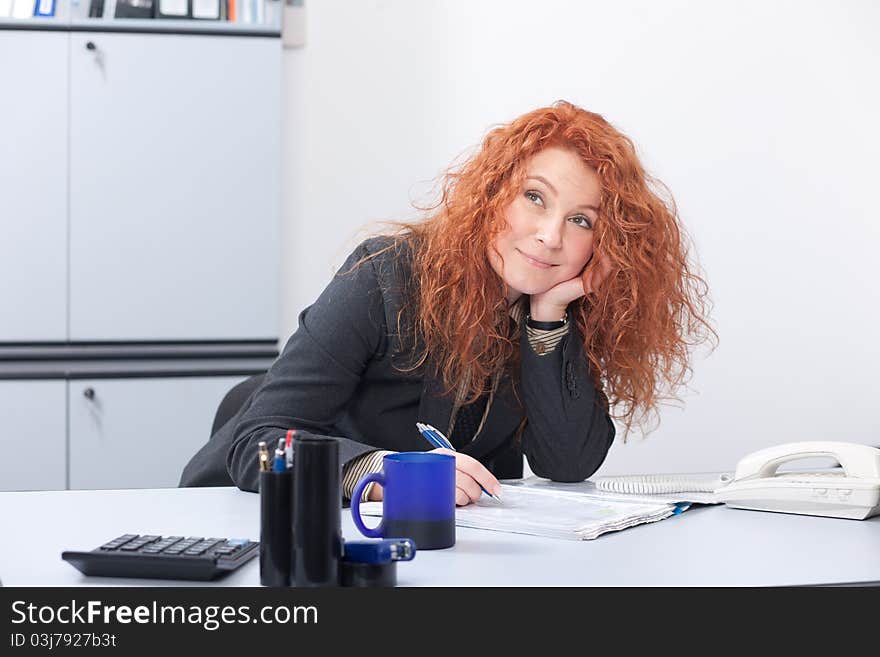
x,y
705,546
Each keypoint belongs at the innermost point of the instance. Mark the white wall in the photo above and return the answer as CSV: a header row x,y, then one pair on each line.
x,y
762,117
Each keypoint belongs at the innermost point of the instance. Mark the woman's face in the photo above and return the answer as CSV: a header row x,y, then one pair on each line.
x,y
549,233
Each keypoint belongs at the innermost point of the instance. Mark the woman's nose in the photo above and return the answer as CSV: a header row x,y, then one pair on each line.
x,y
549,233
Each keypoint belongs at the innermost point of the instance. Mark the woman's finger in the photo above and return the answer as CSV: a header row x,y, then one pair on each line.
x,y
468,486
478,473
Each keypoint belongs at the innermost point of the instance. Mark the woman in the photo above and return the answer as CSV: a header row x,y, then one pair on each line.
x,y
548,280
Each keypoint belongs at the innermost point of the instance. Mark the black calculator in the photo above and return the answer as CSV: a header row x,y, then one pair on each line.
x,y
165,557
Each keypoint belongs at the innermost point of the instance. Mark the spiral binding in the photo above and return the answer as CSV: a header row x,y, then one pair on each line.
x,y
659,483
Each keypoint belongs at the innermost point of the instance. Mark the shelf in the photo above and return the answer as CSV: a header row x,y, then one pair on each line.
x,y
158,25
37,24
142,26
134,350
135,368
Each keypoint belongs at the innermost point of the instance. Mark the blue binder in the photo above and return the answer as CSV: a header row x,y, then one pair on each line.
x,y
44,8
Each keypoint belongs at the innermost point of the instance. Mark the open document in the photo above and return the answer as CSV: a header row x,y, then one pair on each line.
x,y
528,507
548,512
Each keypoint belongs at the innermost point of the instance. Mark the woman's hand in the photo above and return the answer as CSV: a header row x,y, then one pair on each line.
x,y
550,306
375,494
469,474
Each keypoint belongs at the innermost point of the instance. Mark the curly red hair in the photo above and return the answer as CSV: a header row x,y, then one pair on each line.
x,y
638,327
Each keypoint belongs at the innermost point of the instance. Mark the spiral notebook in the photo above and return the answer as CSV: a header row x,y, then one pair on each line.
x,y
690,487
580,511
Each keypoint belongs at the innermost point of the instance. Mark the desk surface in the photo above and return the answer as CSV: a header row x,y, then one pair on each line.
x,y
705,546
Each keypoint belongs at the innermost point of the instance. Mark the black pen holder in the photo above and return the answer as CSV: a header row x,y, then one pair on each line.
x,y
276,527
317,526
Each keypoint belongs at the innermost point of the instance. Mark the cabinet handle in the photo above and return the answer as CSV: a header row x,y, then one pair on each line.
x,y
90,45
89,393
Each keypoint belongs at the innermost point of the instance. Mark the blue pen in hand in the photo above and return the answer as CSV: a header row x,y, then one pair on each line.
x,y
437,439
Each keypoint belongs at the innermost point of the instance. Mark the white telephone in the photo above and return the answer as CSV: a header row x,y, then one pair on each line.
x,y
851,492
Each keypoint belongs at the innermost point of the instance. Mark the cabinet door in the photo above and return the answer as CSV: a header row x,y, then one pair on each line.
x,y
175,187
33,186
139,433
33,435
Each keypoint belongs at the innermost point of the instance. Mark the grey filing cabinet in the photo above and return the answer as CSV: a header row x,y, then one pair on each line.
x,y
33,438
33,185
174,168
136,432
140,257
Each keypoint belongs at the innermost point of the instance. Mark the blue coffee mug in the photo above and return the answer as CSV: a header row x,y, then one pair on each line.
x,y
418,499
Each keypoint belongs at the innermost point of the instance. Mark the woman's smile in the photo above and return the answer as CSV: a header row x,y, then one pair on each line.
x,y
535,262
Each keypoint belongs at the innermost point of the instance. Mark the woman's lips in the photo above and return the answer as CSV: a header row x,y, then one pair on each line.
x,y
540,264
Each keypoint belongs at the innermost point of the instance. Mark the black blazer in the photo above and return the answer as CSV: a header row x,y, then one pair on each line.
x,y
337,377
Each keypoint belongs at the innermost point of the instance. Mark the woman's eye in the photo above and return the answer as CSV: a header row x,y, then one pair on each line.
x,y
581,220
535,198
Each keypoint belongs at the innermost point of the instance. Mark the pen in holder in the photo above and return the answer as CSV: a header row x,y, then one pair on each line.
x,y
276,527
317,525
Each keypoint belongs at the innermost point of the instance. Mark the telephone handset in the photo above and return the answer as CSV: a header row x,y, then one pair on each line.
x,y
853,491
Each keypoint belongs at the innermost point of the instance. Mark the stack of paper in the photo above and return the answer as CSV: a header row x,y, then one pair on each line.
x,y
543,511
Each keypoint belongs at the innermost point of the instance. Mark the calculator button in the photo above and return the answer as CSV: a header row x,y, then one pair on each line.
x,y
116,542
203,546
138,543
237,542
